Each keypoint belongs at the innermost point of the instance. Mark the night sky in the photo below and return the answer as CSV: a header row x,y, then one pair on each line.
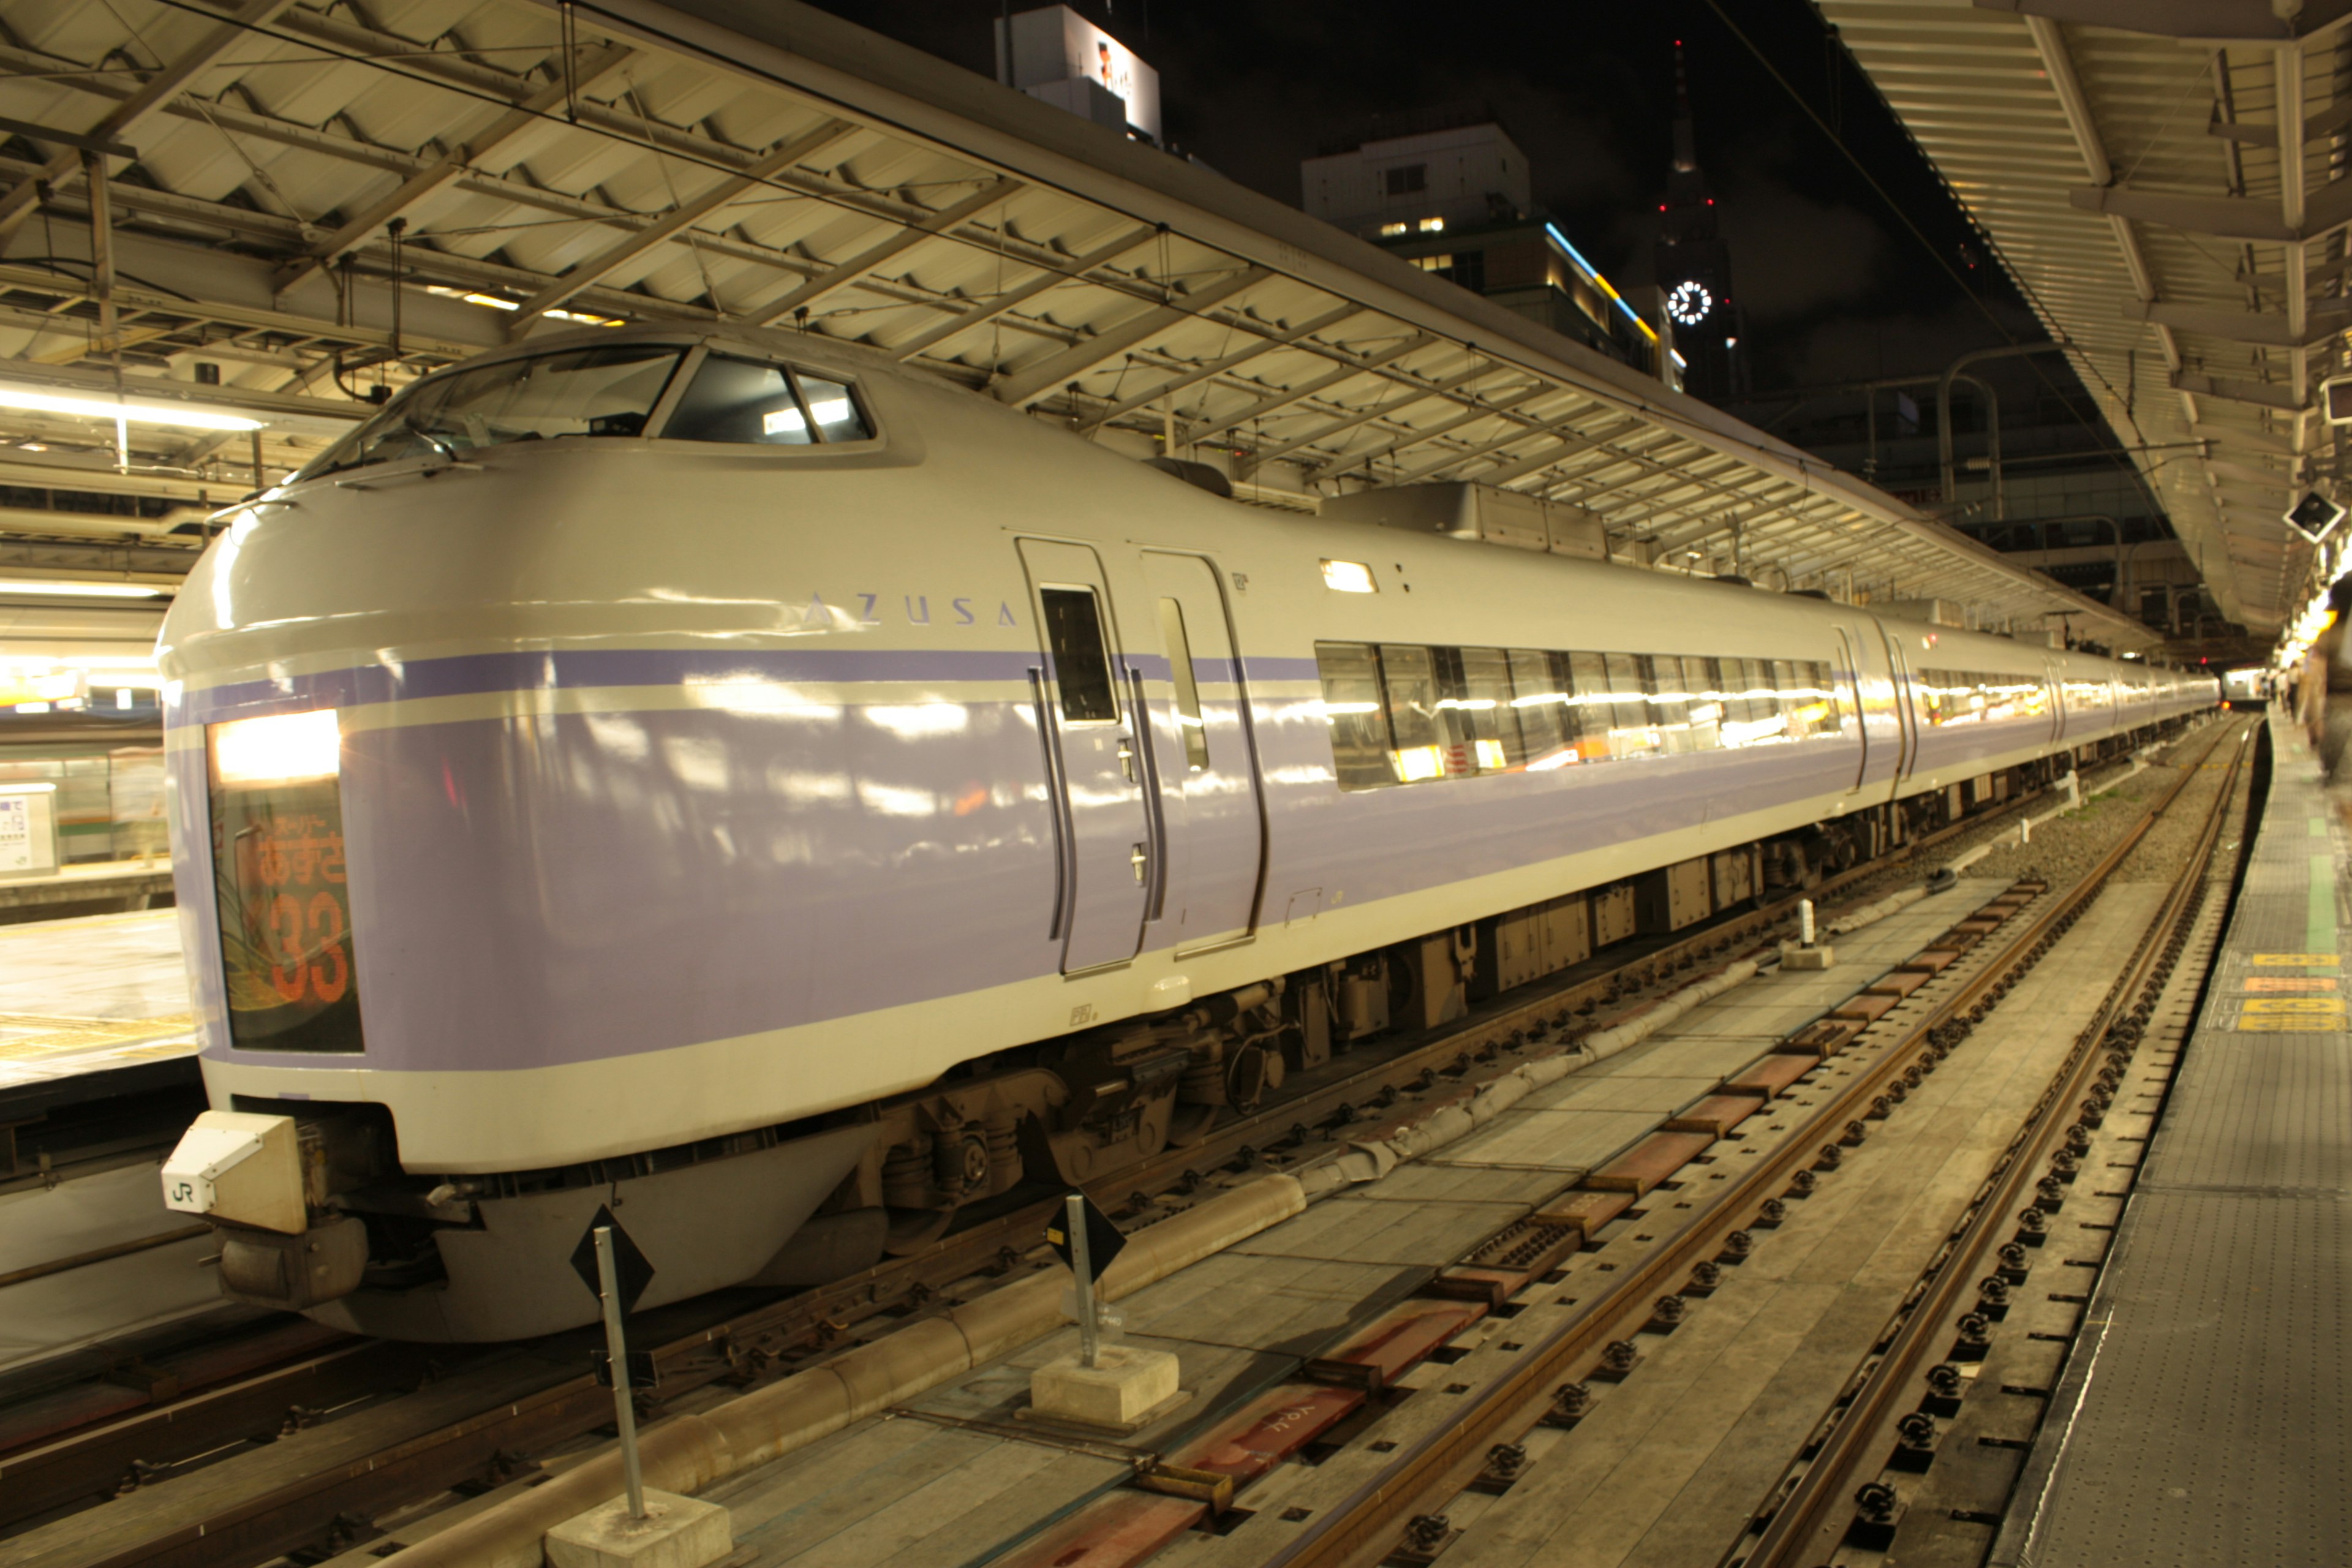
x,y
1835,286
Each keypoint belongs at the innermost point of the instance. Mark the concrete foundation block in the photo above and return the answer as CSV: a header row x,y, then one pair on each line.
x,y
676,1532
1130,1383
1808,957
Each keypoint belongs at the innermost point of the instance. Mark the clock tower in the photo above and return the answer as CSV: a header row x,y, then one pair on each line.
x,y
1694,267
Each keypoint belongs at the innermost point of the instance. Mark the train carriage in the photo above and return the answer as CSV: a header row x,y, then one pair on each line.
x,y
734,781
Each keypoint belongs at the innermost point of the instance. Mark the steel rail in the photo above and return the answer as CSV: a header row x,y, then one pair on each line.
x,y
749,1346
1363,1528
1808,1519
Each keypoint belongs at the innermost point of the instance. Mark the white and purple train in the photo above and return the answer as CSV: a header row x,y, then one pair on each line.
x,y
778,799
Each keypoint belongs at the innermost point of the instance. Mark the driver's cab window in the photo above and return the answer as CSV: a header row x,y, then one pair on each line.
x,y
755,402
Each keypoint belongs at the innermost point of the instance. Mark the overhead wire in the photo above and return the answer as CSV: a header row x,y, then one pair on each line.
x,y
1944,262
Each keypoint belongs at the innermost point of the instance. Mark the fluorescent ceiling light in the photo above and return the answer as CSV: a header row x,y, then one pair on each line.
x,y
186,418
84,590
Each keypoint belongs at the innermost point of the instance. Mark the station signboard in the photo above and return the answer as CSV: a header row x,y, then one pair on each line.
x,y
1056,44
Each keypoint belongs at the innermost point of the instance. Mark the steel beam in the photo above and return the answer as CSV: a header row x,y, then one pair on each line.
x,y
1348,370
2224,217
685,214
127,117
2260,393
1555,425
1193,377
832,279
1411,438
1504,473
1034,381
2251,440
989,306
442,172
1478,371
2245,326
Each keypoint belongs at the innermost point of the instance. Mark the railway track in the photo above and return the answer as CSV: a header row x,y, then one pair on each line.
x,y
1395,1509
736,1344
1838,1495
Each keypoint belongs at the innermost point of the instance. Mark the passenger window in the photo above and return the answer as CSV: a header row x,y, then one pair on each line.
x,y
833,409
1788,698
1705,703
1408,677
1669,702
1539,703
1809,712
1757,709
1590,702
1486,718
1630,732
1832,720
1188,693
1073,632
1352,707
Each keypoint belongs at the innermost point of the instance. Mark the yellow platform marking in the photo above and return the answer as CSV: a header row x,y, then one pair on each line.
x,y
2295,959
24,1036
2290,982
2304,1005
2281,1023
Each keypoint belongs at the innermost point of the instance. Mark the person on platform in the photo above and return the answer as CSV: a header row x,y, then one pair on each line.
x,y
2324,695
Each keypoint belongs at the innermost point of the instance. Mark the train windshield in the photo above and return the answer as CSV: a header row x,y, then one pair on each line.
x,y
583,391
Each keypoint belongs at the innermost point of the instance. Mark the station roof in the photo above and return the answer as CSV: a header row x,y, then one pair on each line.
x,y
626,160
2124,156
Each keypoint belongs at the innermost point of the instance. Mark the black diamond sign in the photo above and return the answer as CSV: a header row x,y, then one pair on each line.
x,y
630,1269
1103,1238
2314,516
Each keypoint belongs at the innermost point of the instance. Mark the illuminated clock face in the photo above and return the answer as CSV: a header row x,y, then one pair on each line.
x,y
1689,304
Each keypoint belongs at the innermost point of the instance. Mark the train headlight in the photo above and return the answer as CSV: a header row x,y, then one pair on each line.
x,y
281,748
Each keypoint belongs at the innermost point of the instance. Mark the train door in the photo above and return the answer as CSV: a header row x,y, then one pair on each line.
x,y
1853,670
1207,760
1105,843
1907,714
2057,698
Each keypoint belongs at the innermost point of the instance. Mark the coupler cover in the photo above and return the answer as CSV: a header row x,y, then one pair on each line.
x,y
293,1272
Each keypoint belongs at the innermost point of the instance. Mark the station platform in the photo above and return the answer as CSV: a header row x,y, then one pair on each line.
x,y
2204,1415
86,888
85,999
98,1073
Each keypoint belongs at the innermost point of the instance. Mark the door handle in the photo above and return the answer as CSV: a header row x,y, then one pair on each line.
x,y
1140,860
1126,757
